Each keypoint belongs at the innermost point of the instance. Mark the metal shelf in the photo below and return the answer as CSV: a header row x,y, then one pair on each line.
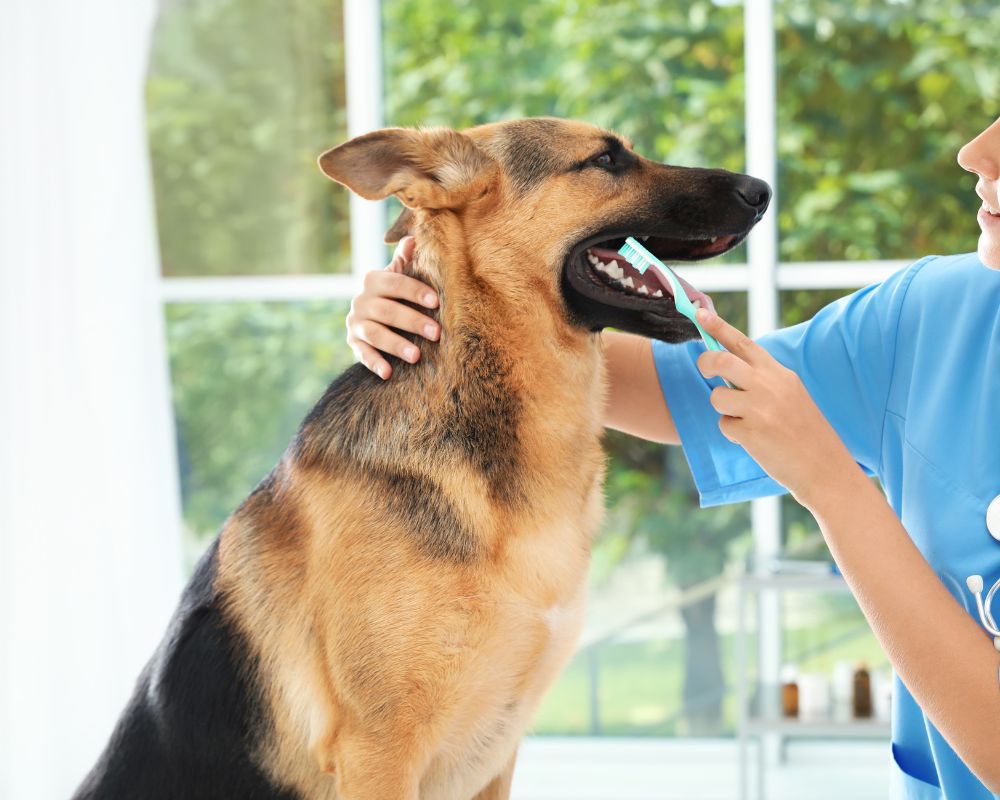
x,y
839,723
853,729
765,718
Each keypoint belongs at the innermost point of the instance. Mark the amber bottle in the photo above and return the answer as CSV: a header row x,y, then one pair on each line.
x,y
862,692
789,691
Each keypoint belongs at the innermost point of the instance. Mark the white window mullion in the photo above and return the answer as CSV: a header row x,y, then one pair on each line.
x,y
761,157
365,112
720,278
762,250
836,274
266,288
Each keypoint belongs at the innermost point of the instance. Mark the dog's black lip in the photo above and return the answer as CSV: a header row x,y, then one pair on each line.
x,y
605,236
578,251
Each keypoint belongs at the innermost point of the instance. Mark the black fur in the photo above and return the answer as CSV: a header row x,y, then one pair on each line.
x,y
480,424
437,529
482,420
343,423
195,717
530,152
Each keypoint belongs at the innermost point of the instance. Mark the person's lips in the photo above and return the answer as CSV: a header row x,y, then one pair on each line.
x,y
988,217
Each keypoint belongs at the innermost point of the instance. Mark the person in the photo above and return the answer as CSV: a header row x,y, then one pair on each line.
x,y
901,381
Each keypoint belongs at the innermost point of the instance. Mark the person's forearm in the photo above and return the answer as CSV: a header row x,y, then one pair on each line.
x,y
942,655
635,402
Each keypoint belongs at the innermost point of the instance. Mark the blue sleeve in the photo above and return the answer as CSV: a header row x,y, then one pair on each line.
x,y
844,356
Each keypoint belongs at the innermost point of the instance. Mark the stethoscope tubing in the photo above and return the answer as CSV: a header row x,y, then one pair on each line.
x,y
975,584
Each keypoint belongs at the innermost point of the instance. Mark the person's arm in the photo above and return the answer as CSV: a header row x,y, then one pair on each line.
x,y
941,654
635,400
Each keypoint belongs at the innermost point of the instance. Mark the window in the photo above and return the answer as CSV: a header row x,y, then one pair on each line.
x,y
853,110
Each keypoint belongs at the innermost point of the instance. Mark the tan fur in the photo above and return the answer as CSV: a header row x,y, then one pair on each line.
x,y
394,676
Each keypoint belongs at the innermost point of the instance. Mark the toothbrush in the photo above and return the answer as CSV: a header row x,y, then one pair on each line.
x,y
640,258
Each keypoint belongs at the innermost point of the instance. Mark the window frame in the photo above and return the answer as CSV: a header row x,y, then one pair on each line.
x,y
762,277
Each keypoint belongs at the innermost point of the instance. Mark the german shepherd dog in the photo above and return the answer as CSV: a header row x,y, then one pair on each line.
x,y
380,617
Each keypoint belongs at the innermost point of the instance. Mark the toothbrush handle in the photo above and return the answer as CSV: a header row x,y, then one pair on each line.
x,y
712,344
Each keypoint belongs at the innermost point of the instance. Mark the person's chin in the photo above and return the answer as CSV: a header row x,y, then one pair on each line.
x,y
989,251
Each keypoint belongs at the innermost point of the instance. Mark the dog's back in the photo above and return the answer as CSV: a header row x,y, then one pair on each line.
x,y
196,715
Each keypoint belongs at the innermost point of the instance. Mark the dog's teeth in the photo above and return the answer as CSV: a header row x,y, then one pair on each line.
x,y
593,259
657,293
643,290
644,238
615,271
715,239
628,282
600,266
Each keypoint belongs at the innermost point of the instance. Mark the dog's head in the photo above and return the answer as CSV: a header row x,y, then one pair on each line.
x,y
546,203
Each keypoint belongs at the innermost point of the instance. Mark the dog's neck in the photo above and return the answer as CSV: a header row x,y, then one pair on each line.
x,y
508,365
521,306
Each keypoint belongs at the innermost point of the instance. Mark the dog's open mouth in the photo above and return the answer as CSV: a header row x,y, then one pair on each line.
x,y
606,268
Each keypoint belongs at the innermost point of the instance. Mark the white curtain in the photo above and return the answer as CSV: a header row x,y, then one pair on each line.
x,y
89,510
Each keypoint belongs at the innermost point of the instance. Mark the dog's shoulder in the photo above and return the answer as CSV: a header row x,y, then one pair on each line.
x,y
343,420
196,715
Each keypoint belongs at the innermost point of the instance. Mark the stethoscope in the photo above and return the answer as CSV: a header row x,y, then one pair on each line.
x,y
975,582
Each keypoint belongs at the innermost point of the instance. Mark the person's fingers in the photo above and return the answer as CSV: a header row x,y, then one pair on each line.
x,y
368,332
732,428
396,286
733,339
719,363
729,402
402,317
372,359
402,255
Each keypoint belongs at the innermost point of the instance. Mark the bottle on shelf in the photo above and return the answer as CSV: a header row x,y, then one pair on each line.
x,y
843,684
789,690
862,692
814,695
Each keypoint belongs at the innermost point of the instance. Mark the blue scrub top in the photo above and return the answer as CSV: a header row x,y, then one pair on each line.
x,y
908,373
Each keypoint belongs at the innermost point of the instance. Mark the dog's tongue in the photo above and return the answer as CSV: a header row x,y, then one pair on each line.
x,y
693,294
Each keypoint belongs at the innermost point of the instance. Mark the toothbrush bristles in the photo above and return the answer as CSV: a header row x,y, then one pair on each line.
x,y
635,256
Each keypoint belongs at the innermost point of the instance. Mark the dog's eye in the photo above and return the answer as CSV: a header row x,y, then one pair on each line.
x,y
605,160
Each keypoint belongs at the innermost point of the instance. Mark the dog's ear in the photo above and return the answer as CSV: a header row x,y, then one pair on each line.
x,y
400,228
433,168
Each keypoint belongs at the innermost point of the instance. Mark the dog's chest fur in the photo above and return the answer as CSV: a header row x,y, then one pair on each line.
x,y
539,609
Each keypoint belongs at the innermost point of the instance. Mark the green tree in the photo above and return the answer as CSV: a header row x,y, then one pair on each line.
x,y
875,98
242,96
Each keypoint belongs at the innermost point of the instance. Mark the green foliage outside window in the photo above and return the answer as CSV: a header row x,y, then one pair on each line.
x,y
242,95
874,101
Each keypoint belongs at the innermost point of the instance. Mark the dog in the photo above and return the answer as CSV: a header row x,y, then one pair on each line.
x,y
380,617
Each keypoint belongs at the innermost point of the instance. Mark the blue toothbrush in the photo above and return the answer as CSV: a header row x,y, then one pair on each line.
x,y
640,258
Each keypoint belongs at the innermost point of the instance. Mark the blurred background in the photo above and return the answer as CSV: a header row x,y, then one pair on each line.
x,y
176,273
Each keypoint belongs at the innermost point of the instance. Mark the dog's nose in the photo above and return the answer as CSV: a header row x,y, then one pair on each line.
x,y
755,193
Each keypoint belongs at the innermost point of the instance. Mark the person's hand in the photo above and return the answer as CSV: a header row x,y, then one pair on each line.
x,y
377,309
772,415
